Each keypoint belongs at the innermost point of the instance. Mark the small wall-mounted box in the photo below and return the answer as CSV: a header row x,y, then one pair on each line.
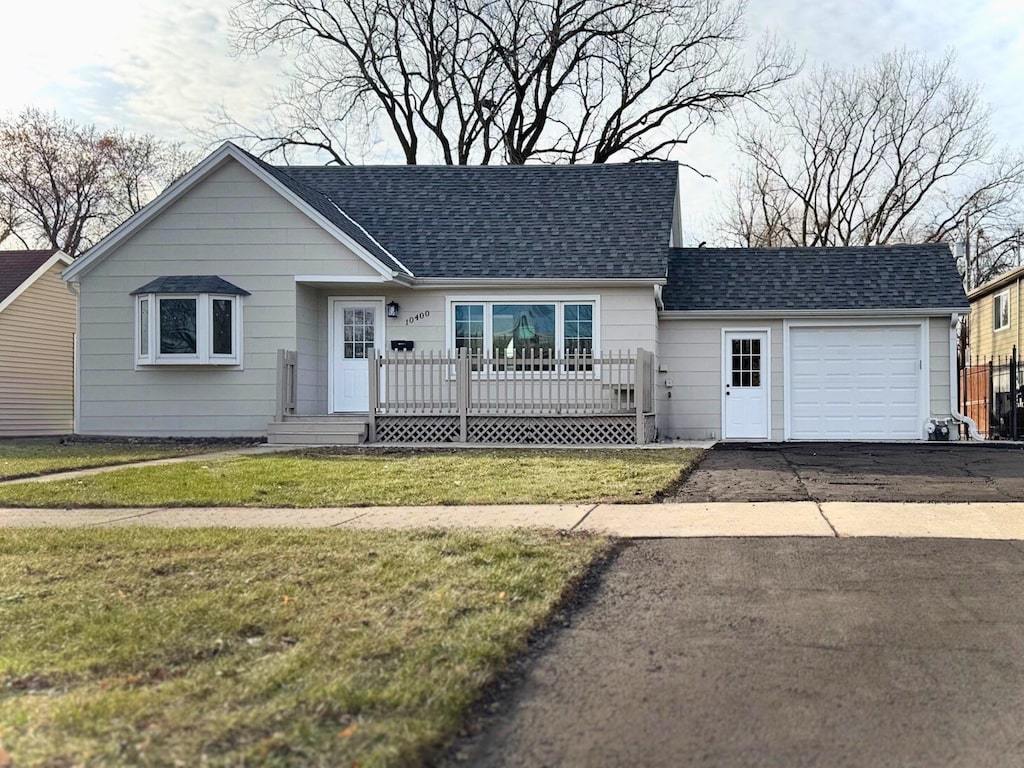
x,y
401,345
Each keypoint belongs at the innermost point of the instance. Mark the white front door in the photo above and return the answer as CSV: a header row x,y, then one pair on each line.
x,y
356,336
746,385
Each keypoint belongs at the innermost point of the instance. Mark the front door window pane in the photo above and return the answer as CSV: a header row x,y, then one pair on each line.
x,y
359,324
177,326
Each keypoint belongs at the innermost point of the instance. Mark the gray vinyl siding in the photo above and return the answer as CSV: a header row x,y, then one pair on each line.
x,y
37,342
691,353
938,367
310,390
232,225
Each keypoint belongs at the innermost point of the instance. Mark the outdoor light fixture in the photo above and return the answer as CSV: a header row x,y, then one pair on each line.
x,y
393,309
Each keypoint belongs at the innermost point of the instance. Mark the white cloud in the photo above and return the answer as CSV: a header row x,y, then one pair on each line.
x,y
152,65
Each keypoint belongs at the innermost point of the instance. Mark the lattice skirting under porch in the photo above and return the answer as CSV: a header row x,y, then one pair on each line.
x,y
417,429
515,430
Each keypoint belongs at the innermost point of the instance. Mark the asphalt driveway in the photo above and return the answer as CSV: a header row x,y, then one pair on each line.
x,y
782,652
857,472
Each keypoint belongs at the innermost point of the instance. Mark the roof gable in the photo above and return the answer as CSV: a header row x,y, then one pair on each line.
x,y
19,269
891,277
376,258
528,221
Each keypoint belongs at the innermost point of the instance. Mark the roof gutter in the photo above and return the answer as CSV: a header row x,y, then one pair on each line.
x,y
954,406
675,314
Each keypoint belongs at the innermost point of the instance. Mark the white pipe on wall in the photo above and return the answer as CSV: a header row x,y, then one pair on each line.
x,y
954,406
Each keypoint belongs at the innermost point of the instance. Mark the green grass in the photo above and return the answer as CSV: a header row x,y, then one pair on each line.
x,y
43,455
329,479
336,648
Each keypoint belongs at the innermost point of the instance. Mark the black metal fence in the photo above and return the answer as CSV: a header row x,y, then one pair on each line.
x,y
991,392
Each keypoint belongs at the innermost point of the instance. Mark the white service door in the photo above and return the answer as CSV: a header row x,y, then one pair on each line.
x,y
855,383
356,331
747,384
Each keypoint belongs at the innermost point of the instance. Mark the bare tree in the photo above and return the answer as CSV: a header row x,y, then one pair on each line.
x,y
898,151
64,186
482,81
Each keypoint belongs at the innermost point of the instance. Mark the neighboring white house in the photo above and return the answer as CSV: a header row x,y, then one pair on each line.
x,y
511,304
37,342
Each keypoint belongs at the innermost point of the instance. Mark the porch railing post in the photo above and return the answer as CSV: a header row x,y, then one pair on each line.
x,y
287,363
373,370
640,395
281,384
462,369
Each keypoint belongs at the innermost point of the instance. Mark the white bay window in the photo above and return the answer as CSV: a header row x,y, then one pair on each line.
x,y
188,321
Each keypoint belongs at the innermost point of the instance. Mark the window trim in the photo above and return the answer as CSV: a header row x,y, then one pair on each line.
x,y
204,355
559,300
1005,297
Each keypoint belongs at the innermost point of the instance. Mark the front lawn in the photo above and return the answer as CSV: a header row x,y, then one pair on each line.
x,y
326,478
333,648
25,457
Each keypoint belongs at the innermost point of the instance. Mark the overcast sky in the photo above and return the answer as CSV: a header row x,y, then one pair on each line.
x,y
163,66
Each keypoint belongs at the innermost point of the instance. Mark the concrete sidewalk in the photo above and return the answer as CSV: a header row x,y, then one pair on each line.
x,y
1003,521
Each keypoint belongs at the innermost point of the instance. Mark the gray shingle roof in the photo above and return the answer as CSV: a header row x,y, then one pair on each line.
x,y
17,266
876,277
570,221
191,284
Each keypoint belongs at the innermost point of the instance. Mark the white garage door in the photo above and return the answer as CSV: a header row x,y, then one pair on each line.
x,y
855,383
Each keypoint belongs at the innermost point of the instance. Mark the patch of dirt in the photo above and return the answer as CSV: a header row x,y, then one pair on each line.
x,y
202,442
32,682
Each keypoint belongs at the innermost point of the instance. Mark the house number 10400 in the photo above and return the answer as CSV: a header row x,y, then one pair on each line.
x,y
417,317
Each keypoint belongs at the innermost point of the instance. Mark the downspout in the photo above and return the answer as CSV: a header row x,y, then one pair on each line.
x,y
76,289
954,406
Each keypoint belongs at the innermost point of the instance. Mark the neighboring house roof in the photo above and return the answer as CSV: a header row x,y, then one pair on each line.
x,y
890,277
19,269
543,221
996,283
191,284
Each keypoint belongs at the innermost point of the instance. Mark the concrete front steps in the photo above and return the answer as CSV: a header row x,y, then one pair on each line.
x,y
318,430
